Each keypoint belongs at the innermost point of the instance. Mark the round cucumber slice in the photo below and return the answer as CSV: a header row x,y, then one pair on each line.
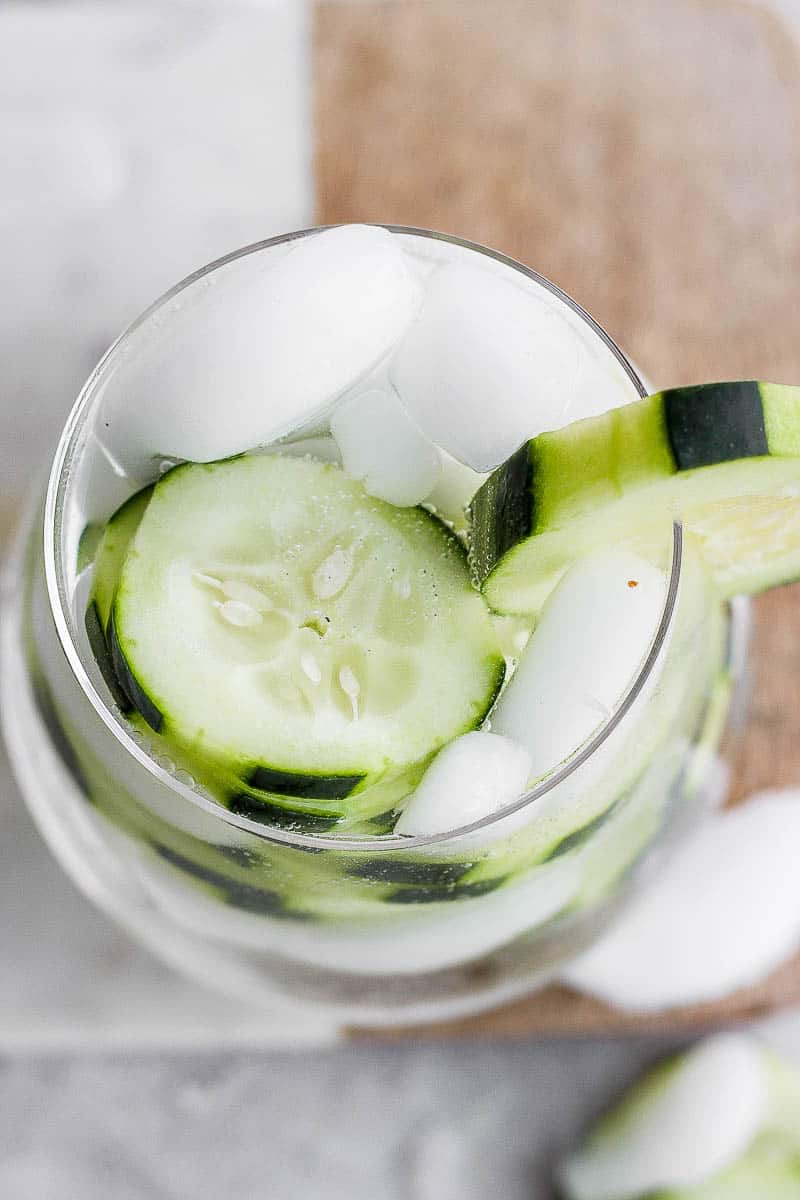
x,y
724,458
278,622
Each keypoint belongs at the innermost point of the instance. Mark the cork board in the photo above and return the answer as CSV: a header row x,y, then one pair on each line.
x,y
644,155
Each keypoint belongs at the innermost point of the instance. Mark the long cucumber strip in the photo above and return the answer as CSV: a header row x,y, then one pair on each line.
x,y
724,458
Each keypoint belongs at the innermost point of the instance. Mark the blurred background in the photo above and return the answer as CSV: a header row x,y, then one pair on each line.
x,y
646,156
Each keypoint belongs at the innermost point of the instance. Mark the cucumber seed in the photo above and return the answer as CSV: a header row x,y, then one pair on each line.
x,y
351,688
236,612
332,574
310,667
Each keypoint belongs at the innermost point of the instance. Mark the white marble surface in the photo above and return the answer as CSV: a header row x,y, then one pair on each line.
x,y
449,1122
460,1121
139,139
73,981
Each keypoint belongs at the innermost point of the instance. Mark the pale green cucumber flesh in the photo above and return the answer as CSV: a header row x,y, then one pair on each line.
x,y
277,622
758,1175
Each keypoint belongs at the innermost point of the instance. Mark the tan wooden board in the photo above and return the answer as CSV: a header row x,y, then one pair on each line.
x,y
644,155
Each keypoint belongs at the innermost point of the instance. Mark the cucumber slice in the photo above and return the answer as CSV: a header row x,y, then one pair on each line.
x,y
724,457
106,548
718,1123
305,638
111,551
756,1176
303,818
683,1124
89,541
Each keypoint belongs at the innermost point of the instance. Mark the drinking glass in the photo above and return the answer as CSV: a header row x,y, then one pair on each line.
x,y
376,928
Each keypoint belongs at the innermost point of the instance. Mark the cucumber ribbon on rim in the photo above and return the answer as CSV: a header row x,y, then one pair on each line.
x,y
724,458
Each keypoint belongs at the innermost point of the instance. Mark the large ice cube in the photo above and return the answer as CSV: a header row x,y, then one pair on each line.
x,y
248,354
382,446
471,778
593,635
490,363
722,914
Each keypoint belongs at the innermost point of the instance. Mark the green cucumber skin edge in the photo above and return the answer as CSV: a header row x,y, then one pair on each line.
x,y
304,786
112,549
137,696
673,431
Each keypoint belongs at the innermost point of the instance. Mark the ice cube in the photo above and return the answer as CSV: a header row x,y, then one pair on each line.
x,y
323,448
680,1130
382,446
490,363
592,637
474,776
453,491
246,355
724,911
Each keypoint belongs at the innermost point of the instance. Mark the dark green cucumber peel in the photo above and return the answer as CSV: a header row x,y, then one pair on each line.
x,y
714,423
397,870
129,683
501,514
303,786
270,813
235,893
573,472
451,891
102,656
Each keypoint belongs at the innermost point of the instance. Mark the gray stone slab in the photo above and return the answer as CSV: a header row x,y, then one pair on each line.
x,y
437,1122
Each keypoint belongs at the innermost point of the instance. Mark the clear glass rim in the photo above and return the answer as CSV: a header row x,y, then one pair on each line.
x,y
60,607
